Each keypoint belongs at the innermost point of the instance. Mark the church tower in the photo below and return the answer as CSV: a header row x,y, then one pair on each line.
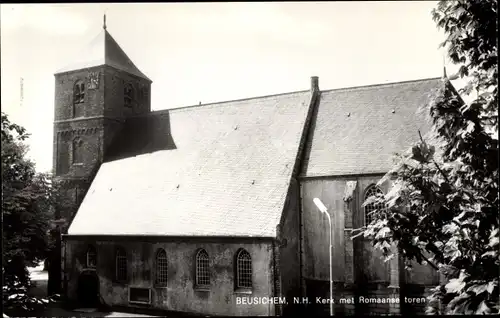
x,y
93,97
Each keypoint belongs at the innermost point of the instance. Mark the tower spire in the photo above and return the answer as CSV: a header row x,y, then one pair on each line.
x,y
104,24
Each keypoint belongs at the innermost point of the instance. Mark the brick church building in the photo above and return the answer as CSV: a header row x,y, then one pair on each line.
x,y
190,209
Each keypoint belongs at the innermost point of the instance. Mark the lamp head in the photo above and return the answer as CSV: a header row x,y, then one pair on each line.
x,y
320,205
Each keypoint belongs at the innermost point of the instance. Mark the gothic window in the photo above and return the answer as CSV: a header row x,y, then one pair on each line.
x,y
79,92
128,95
243,269
202,268
372,190
91,257
161,268
121,265
77,150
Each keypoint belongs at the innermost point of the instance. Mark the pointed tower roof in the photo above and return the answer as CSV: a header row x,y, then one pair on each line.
x,y
104,50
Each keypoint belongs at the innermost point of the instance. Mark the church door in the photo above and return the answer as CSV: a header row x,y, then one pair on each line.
x,y
88,289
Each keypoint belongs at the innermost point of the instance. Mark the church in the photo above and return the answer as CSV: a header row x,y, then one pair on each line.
x,y
192,209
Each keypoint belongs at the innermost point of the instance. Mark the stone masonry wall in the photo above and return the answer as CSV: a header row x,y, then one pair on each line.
x,y
181,293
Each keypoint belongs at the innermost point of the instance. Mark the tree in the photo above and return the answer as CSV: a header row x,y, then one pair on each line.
x,y
442,209
27,212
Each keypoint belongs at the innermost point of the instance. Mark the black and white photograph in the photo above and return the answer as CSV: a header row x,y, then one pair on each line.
x,y
222,159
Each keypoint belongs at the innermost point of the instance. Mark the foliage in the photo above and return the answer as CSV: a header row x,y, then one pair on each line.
x,y
471,29
27,201
442,209
17,301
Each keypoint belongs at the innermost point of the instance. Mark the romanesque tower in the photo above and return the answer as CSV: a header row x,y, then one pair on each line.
x,y
93,97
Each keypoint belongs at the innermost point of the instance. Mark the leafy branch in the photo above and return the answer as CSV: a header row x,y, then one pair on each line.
x,y
448,206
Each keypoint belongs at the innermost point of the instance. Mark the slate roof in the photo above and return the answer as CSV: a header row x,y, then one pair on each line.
x,y
103,50
357,130
213,170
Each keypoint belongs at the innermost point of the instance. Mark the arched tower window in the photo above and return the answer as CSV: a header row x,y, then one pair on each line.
x,y
372,190
202,268
121,265
79,92
77,150
243,269
128,95
161,268
91,257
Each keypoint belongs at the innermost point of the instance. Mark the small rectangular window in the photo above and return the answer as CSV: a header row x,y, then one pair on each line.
x,y
139,295
121,265
91,257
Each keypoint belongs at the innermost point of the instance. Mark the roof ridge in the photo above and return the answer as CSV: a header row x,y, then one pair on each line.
x,y
224,102
160,111
381,84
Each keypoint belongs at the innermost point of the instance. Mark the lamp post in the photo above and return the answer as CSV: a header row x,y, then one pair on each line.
x,y
323,210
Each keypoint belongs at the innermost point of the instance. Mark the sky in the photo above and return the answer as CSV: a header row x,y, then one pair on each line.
x,y
209,52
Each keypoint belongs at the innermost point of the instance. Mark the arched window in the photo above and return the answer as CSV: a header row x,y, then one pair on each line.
x,y
161,268
128,95
372,190
202,268
91,257
243,269
140,93
121,265
77,150
79,92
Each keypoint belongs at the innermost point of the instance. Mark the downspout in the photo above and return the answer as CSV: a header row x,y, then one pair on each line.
x,y
277,273
64,273
301,244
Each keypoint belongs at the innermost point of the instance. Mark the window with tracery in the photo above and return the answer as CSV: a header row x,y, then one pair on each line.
x,y
161,268
128,95
91,257
121,265
372,190
79,92
202,268
243,269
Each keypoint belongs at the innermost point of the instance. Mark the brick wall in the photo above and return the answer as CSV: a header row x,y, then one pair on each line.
x,y
93,104
115,81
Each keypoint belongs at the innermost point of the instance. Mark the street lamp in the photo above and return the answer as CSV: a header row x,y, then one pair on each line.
x,y
323,210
